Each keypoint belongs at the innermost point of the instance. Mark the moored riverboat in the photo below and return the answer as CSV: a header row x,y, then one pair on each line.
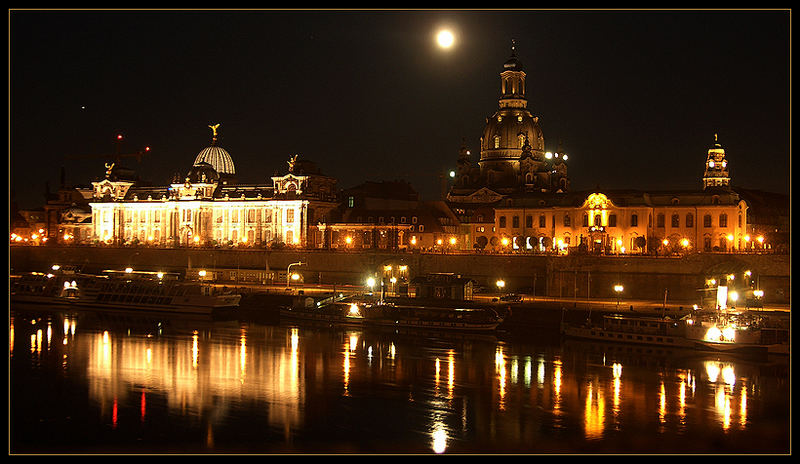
x,y
132,290
712,330
632,329
372,312
333,310
738,331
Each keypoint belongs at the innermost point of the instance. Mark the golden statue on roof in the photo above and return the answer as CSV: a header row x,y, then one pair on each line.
x,y
214,132
292,162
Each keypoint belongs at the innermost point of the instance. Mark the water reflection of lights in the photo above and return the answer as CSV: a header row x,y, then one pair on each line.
x,y
195,349
594,412
191,383
616,370
346,369
451,367
557,385
450,374
242,355
743,406
527,372
715,368
500,367
723,376
662,402
540,373
439,438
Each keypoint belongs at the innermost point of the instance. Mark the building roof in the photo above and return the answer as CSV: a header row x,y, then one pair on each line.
x,y
218,158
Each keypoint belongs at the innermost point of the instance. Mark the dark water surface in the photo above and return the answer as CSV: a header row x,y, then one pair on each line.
x,y
94,382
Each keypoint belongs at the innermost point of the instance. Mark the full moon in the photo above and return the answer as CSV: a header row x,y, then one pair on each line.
x,y
445,39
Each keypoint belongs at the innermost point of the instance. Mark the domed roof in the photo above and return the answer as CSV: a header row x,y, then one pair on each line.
x,y
218,158
512,128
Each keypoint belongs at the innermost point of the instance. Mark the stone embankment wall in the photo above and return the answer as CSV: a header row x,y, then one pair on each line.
x,y
573,276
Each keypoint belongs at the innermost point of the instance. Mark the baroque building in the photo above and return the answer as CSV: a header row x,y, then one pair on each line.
x,y
517,197
208,207
713,218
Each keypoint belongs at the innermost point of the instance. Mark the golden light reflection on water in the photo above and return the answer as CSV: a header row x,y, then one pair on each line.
x,y
594,411
346,369
662,402
500,367
196,374
191,375
451,373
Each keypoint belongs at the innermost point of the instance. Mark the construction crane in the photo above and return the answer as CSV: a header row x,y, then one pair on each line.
x,y
117,156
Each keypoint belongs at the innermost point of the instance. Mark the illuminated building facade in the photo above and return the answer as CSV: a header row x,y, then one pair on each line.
x,y
618,222
390,215
207,207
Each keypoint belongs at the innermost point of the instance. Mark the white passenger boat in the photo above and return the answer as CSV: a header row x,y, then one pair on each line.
x,y
711,330
633,329
142,291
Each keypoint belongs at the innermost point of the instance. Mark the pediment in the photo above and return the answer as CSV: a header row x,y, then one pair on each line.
x,y
482,195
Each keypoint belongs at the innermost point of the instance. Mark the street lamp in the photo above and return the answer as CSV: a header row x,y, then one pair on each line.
x,y
501,284
618,288
289,273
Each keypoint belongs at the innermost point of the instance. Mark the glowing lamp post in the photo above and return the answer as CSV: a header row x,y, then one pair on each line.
x,y
501,284
290,276
618,289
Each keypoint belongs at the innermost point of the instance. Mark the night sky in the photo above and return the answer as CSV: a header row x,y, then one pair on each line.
x,y
634,97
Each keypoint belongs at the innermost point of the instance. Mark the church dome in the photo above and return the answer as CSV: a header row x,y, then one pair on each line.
x,y
218,158
507,131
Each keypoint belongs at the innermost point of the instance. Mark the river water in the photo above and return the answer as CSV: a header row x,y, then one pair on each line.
x,y
111,383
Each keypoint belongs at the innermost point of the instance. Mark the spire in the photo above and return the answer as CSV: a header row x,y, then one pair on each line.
x,y
512,81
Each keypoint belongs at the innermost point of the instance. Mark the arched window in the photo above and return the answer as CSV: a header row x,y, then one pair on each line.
x,y
497,141
707,220
689,220
676,221
723,220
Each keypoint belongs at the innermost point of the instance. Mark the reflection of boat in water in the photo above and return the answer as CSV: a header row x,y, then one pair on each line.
x,y
728,331
136,290
395,314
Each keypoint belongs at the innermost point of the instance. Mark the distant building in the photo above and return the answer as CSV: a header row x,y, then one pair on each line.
x,y
390,215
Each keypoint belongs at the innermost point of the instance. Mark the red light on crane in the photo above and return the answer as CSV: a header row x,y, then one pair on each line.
x,y
119,136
